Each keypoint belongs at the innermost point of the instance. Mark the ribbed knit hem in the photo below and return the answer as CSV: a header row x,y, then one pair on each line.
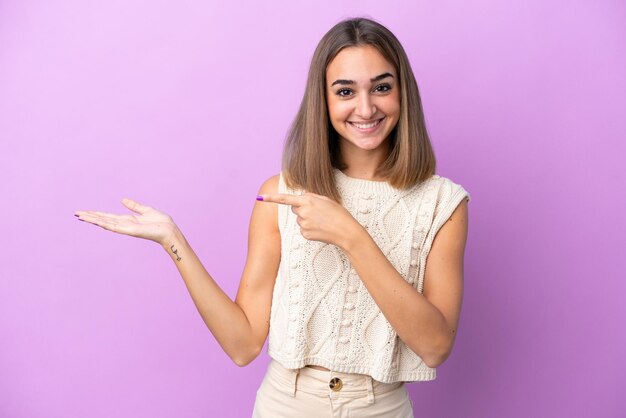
x,y
420,375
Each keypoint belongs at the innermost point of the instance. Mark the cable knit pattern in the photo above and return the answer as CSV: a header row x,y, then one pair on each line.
x,y
322,314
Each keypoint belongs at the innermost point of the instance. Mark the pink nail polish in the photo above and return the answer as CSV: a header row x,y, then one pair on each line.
x,y
259,198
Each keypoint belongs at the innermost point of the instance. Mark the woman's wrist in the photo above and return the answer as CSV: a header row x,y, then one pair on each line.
x,y
355,235
173,237
175,245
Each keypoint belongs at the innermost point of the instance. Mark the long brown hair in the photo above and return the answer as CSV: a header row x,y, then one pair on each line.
x,y
312,146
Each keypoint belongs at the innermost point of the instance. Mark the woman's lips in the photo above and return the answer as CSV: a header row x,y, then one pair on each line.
x,y
366,127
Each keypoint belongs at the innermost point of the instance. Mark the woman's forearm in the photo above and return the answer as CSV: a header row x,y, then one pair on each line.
x,y
418,322
224,318
228,321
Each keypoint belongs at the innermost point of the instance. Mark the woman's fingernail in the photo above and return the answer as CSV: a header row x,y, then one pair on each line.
x,y
259,198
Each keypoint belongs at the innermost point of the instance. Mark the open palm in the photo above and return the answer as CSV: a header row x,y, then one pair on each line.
x,y
147,222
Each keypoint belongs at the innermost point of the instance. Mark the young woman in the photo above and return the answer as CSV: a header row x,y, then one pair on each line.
x,y
355,254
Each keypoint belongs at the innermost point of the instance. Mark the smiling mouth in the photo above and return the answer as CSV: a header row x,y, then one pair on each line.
x,y
366,125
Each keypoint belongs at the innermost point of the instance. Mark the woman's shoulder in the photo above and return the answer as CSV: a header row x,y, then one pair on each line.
x,y
448,189
440,181
271,185
440,188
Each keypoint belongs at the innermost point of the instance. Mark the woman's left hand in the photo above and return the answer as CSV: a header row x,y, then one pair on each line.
x,y
320,218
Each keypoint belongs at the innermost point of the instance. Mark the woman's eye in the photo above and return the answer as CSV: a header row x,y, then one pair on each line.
x,y
344,92
383,88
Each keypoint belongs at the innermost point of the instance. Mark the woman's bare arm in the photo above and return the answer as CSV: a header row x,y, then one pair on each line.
x,y
427,322
240,327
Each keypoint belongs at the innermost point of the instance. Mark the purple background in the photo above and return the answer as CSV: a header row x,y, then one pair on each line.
x,y
184,106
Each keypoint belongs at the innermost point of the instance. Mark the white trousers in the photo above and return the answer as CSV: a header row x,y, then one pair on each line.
x,y
309,392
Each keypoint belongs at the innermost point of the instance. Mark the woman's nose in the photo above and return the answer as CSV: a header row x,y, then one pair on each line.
x,y
365,108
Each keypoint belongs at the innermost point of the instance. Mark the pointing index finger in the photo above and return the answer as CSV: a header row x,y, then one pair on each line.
x,y
280,198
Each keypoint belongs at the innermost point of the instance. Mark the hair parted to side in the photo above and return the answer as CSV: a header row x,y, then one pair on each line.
x,y
312,146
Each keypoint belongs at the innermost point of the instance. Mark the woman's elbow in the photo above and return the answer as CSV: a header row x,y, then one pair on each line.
x,y
242,361
439,354
436,359
244,358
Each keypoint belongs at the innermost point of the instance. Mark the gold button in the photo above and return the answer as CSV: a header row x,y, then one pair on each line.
x,y
336,384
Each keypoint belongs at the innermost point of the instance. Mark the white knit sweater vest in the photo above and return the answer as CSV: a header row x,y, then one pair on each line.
x,y
322,314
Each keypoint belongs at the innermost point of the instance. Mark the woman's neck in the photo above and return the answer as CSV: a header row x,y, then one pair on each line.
x,y
363,164
363,173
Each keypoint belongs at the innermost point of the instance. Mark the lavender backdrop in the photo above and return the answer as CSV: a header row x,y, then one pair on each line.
x,y
184,105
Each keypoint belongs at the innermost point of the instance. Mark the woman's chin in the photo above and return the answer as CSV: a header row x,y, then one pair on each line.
x,y
363,144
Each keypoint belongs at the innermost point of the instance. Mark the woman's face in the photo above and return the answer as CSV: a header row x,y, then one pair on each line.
x,y
363,98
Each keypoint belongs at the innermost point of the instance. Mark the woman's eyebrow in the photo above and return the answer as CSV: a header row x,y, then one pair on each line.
x,y
373,80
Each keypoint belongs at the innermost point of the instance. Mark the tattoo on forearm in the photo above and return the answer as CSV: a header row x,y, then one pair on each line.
x,y
175,251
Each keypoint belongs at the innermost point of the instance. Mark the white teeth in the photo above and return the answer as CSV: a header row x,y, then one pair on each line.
x,y
366,125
